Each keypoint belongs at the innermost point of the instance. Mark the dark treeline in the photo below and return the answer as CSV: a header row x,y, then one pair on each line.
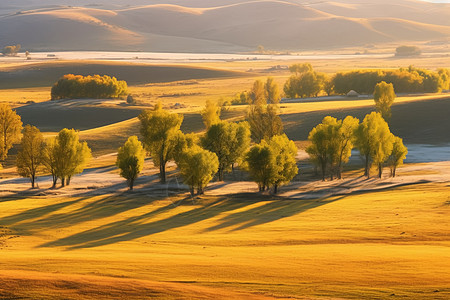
x,y
77,86
405,80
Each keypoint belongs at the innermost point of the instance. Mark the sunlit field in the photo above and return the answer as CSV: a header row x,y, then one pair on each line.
x,y
348,239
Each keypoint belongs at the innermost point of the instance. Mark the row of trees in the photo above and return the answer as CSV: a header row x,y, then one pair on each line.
x,y
62,156
333,140
78,86
199,158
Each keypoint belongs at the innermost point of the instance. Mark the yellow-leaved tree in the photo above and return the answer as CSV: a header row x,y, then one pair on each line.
x,y
29,157
130,160
10,128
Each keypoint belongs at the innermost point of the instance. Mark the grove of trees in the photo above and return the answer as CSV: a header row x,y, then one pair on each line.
x,y
77,87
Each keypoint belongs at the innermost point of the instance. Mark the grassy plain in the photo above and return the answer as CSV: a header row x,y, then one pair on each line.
x,y
95,244
391,243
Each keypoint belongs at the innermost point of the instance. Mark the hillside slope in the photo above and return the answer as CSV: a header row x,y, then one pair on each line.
x,y
215,27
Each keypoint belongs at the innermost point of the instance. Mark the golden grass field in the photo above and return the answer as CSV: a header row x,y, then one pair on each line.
x,y
86,243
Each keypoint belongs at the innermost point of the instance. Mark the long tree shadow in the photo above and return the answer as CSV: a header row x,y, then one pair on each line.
x,y
139,226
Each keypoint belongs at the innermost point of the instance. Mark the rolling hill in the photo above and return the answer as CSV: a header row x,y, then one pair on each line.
x,y
220,26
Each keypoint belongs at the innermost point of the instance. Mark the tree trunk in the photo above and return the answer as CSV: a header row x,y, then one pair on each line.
x,y
220,174
324,167
68,180
32,181
131,183
162,172
393,171
55,179
191,190
275,189
367,169
63,182
380,170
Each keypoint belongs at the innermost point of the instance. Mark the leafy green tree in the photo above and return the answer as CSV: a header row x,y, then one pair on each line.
x,y
323,149
272,163
331,144
398,154
72,155
272,91
345,142
228,141
197,166
285,164
160,131
258,93
305,82
29,157
260,163
65,156
384,97
130,160
211,113
264,121
374,141
10,129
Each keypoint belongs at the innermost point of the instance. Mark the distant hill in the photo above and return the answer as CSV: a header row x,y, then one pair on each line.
x,y
218,26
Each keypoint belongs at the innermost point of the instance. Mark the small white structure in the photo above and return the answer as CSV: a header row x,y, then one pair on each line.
x,y
352,93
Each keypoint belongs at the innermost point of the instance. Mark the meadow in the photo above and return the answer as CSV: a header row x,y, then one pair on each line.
x,y
351,239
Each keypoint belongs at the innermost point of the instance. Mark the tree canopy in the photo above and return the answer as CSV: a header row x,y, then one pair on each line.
x,y
160,131
197,166
272,163
29,157
130,160
65,156
384,97
211,113
398,154
10,129
228,141
374,141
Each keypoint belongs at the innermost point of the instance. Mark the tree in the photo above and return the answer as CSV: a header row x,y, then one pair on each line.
x,y
272,92
210,114
264,121
130,160
50,159
384,97
285,164
29,157
331,144
197,166
228,141
160,132
260,163
398,154
323,146
345,140
305,82
11,50
65,156
258,93
374,141
10,129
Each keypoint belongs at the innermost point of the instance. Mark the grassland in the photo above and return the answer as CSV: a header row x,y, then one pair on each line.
x,y
94,240
367,245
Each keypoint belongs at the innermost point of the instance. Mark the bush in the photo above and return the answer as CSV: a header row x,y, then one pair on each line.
x,y
78,86
407,51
